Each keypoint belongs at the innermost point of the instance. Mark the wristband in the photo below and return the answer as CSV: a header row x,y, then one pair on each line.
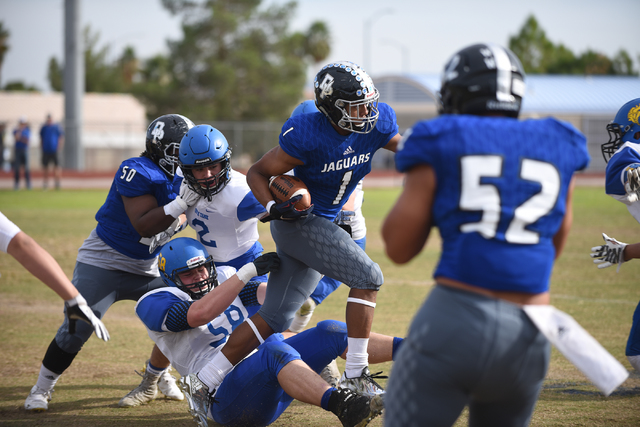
x,y
75,300
175,208
246,272
269,204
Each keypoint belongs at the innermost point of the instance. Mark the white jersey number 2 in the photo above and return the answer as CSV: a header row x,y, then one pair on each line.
x,y
476,196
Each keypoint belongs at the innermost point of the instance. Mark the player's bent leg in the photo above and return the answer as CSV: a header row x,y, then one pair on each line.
x,y
251,393
288,288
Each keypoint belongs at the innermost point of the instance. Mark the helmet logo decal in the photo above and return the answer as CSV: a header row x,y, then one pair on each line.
x,y
634,114
450,72
496,58
158,131
195,261
162,262
326,86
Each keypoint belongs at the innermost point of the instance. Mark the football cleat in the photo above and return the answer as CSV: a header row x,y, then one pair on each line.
x,y
38,399
331,374
167,385
354,410
302,316
144,393
364,385
199,398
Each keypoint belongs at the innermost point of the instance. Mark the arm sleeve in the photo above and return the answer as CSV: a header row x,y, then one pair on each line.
x,y
177,317
8,231
249,295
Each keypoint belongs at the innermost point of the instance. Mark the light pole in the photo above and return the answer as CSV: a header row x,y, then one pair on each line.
x,y
366,37
404,52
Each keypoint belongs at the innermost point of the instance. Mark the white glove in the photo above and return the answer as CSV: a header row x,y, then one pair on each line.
x,y
612,252
164,236
77,309
186,199
633,184
187,194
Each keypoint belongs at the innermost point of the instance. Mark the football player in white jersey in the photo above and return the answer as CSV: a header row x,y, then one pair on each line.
x,y
191,319
622,153
224,215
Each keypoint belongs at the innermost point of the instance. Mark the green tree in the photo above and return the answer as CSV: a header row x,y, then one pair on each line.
x,y
539,55
236,61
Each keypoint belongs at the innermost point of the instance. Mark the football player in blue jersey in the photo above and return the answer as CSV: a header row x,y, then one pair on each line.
x,y
114,263
622,153
499,190
330,152
351,218
192,317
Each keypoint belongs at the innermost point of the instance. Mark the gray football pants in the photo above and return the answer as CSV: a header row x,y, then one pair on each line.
x,y
467,349
101,288
308,249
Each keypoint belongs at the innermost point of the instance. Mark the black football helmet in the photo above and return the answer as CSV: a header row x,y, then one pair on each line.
x,y
163,140
482,79
339,87
625,127
205,146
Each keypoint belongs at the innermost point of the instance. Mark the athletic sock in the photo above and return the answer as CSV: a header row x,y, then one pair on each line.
x,y
357,356
214,372
47,379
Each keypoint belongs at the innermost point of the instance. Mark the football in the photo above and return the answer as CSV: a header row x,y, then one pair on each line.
x,y
284,187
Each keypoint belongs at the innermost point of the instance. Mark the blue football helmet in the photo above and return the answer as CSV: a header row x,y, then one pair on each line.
x,y
305,107
183,254
625,127
341,88
205,146
163,137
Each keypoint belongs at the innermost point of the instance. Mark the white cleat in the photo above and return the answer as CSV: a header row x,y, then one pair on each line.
x,y
38,399
167,385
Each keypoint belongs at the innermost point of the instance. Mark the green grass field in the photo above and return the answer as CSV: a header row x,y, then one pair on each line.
x,y
87,394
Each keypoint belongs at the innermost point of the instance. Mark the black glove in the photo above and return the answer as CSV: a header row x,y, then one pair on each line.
x,y
286,211
266,263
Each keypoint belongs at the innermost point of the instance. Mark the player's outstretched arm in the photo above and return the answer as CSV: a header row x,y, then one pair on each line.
x,y
220,298
42,265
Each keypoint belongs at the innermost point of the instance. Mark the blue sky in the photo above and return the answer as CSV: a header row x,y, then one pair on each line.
x,y
415,36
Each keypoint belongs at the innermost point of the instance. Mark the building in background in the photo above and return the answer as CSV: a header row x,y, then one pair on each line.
x,y
587,102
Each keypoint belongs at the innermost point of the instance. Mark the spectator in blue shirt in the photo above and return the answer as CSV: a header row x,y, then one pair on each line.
x,y
52,139
21,135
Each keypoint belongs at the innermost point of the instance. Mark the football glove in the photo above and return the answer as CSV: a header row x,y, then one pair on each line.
x,y
344,219
164,236
612,252
183,201
287,211
633,183
77,309
266,263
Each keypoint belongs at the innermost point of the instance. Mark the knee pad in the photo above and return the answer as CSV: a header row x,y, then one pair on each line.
x,y
73,343
278,354
372,282
279,321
